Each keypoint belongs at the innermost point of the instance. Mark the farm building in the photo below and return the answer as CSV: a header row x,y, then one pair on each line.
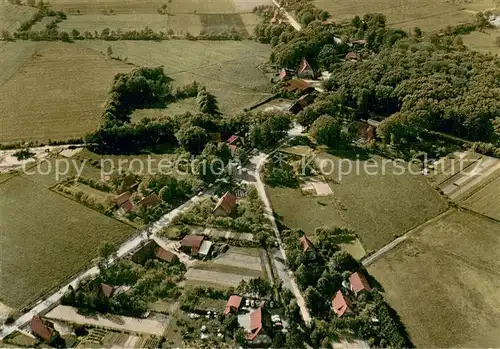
x,y
123,198
126,207
129,182
359,283
233,305
43,329
106,290
150,200
283,75
305,70
301,103
205,248
341,305
260,326
236,140
191,243
165,255
363,130
225,205
298,86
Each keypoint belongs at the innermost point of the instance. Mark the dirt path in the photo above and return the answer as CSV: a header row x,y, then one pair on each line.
x,y
296,25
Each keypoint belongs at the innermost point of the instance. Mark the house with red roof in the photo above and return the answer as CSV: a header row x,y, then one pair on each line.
x,y
305,70
191,244
341,305
260,325
165,255
225,205
43,329
307,247
359,283
282,75
232,305
127,206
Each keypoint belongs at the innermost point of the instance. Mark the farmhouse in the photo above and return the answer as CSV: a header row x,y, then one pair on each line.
x,y
165,255
191,244
301,103
150,200
260,325
127,207
233,305
305,70
43,329
123,198
341,305
359,283
297,85
225,205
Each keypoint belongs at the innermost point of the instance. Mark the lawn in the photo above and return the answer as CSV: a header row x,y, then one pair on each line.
x,y
484,41
63,89
407,14
45,238
229,69
444,282
176,108
377,207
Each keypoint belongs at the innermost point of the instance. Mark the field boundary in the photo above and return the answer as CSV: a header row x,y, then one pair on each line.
x,y
367,260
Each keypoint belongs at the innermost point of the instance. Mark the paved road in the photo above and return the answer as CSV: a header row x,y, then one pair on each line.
x,y
296,25
127,247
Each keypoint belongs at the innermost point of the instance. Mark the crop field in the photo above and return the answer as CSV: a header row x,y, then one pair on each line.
x,y
378,207
11,16
429,15
483,41
229,69
179,16
40,231
13,56
63,89
443,281
487,200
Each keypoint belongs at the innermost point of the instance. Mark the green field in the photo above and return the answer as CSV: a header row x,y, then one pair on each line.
x,y
483,41
444,281
376,207
429,15
229,69
45,238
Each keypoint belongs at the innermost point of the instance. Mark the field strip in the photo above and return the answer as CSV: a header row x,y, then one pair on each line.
x,y
490,179
480,177
424,17
372,258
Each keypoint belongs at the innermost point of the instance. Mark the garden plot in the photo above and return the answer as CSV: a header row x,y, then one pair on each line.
x,y
459,185
315,186
233,258
215,277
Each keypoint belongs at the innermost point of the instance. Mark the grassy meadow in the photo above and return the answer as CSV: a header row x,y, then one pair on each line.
x,y
429,15
377,207
443,282
45,238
